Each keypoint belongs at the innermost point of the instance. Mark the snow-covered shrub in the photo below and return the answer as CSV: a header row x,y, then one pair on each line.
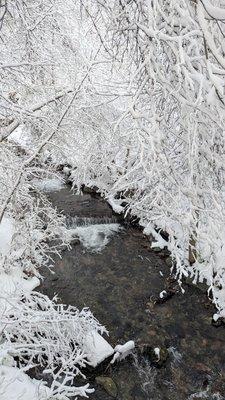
x,y
38,331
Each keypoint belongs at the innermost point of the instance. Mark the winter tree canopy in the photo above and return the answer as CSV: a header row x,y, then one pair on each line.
x,y
131,95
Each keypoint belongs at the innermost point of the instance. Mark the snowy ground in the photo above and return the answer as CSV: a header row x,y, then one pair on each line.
x,y
16,385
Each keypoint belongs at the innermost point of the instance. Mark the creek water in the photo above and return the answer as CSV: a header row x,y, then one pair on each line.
x,y
113,271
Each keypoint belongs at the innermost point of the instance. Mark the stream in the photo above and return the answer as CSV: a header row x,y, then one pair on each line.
x,y
113,271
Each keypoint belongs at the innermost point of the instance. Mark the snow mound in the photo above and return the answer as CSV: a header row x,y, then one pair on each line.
x,y
16,385
123,350
96,348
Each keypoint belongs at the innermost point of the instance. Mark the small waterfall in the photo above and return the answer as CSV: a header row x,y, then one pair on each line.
x,y
94,233
74,222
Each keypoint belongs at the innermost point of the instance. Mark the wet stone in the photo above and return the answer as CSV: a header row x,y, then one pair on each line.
x,y
157,249
157,356
169,261
108,384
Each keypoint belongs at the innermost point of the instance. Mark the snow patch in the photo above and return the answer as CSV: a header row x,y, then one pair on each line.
x,y
122,351
16,385
6,234
157,353
162,294
20,137
205,394
115,204
96,348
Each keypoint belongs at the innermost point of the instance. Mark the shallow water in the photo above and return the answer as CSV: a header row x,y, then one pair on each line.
x,y
121,285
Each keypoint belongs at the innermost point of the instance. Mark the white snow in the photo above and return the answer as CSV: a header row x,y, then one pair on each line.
x,y
162,294
6,234
115,204
20,137
212,270
95,237
213,11
96,348
12,284
16,385
48,185
123,350
157,352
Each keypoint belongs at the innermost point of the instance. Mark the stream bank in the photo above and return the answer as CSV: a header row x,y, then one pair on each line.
x,y
121,285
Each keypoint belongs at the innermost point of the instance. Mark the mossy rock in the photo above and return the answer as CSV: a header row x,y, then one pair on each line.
x,y
108,385
158,360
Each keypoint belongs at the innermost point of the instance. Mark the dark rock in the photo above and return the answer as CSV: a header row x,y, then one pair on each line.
x,y
74,241
92,191
157,249
61,167
219,322
169,262
55,278
156,355
108,385
167,295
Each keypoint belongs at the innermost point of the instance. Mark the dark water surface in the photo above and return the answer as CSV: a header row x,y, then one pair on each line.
x,y
121,285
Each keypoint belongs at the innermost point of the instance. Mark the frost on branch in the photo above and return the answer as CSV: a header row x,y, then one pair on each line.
x,y
40,332
164,151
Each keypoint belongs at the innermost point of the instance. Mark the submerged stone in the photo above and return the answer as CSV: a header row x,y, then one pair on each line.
x,y
108,385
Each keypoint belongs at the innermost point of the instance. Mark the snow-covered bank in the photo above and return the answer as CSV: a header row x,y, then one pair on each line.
x,y
15,385
33,327
37,331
